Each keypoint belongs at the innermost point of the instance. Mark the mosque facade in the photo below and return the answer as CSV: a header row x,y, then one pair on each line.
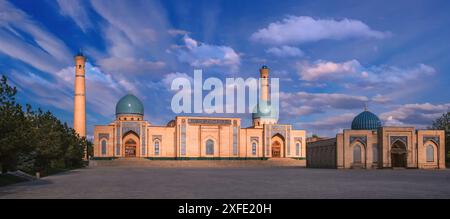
x,y
189,137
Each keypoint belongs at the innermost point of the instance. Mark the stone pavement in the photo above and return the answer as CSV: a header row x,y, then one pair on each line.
x,y
247,182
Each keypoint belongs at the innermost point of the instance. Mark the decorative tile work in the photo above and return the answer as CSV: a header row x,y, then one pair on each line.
x,y
209,121
393,139
235,140
143,140
118,140
131,126
103,135
433,138
154,137
361,138
266,133
183,139
298,139
288,140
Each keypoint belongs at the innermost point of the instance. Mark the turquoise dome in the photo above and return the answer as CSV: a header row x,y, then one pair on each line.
x,y
129,104
265,111
366,121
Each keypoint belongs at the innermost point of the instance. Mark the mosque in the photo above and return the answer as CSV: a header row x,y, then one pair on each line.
x,y
370,145
188,137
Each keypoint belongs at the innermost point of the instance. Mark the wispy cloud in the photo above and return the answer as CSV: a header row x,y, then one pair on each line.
x,y
76,10
26,40
285,51
296,30
420,115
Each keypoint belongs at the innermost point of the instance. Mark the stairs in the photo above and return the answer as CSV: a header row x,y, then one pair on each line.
x,y
142,162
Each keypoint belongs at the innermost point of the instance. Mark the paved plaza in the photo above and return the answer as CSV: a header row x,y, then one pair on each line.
x,y
271,182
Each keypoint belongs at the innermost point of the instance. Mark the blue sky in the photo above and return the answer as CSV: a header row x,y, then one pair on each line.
x,y
332,56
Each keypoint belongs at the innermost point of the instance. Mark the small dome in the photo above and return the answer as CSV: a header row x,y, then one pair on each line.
x,y
265,111
129,104
366,121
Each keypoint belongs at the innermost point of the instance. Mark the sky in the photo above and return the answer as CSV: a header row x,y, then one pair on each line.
x,y
332,57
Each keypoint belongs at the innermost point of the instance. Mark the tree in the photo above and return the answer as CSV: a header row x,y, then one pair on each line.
x,y
12,126
443,123
35,140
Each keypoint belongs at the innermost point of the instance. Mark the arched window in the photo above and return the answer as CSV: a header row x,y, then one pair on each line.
x,y
430,153
157,147
209,147
298,149
254,148
104,147
357,154
375,153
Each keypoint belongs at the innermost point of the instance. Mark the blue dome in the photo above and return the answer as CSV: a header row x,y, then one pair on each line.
x,y
265,111
366,121
129,104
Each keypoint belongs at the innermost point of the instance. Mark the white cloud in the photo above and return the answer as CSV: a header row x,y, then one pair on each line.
x,y
297,30
326,70
205,55
352,75
76,11
102,91
419,114
129,65
285,51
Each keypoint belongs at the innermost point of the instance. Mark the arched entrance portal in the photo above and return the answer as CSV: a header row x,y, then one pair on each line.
x,y
130,148
398,154
277,146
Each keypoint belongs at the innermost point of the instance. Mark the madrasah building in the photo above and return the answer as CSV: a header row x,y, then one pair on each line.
x,y
370,145
188,137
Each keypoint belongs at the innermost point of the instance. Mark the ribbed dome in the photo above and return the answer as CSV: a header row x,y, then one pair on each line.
x,y
366,121
129,104
265,111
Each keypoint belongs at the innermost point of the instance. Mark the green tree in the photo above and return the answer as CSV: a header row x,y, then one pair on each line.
x,y
443,123
13,126
35,140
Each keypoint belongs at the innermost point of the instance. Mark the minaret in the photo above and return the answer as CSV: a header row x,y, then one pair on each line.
x,y
79,111
264,77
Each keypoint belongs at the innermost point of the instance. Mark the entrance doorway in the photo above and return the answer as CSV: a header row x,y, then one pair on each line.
x,y
276,149
277,146
398,154
130,148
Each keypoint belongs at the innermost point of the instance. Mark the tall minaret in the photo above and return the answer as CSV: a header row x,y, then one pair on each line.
x,y
264,77
79,111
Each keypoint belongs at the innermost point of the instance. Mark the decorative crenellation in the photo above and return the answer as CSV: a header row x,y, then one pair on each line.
x,y
433,138
393,139
360,138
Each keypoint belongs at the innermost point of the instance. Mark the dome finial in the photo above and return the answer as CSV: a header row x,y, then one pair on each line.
x,y
366,107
